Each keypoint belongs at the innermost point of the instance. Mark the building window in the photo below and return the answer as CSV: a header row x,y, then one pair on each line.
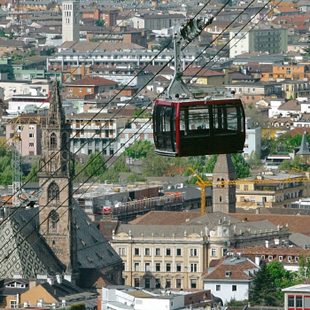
x,y
234,288
178,283
217,287
193,283
31,126
147,267
270,258
290,302
53,191
193,267
157,266
213,252
147,282
137,252
13,303
157,283
168,283
298,302
280,258
147,251
168,252
157,251
136,282
179,267
80,90
168,267
121,251
31,135
70,90
137,267
53,141
31,144
193,252
179,252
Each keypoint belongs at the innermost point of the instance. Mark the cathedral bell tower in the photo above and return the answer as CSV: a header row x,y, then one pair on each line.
x,y
224,194
55,178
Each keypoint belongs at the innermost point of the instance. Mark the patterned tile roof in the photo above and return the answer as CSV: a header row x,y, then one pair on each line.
x,y
23,250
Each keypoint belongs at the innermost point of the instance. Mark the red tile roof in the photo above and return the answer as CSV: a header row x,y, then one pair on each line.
x,y
92,81
296,223
237,271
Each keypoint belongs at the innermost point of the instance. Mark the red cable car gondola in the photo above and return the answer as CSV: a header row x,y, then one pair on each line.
x,y
195,127
198,127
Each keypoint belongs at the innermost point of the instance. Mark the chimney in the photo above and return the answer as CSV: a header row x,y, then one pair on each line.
x,y
59,278
257,260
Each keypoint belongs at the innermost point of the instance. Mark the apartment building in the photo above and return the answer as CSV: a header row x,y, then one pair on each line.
x,y
156,21
112,54
271,190
261,38
93,132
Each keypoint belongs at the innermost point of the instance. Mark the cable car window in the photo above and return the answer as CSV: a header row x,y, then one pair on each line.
x,y
195,120
232,118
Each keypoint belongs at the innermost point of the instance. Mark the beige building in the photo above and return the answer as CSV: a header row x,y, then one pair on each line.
x,y
172,249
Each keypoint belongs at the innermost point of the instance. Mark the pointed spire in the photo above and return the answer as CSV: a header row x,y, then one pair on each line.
x,y
56,115
303,150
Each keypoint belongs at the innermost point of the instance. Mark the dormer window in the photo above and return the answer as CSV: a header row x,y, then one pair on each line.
x,y
289,259
280,258
270,258
228,273
296,259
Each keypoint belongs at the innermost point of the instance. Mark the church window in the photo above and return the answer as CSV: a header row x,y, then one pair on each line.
x,y
53,192
53,141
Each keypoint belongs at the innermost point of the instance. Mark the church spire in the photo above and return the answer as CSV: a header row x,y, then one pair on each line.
x,y
56,115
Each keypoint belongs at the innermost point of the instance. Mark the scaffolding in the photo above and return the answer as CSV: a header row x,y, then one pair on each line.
x,y
17,168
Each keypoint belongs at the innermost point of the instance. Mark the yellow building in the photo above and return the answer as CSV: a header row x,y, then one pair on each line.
x,y
177,247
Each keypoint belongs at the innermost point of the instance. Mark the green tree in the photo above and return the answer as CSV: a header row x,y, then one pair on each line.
x,y
95,165
303,268
6,176
134,177
139,149
110,176
2,33
254,161
78,306
263,291
282,278
210,163
32,176
237,303
257,118
298,162
154,165
120,165
99,23
241,166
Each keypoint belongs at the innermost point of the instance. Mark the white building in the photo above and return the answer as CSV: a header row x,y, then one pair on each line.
x,y
127,297
231,278
70,21
252,140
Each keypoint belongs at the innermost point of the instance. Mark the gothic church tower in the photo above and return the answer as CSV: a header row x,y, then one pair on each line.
x,y
224,195
55,178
